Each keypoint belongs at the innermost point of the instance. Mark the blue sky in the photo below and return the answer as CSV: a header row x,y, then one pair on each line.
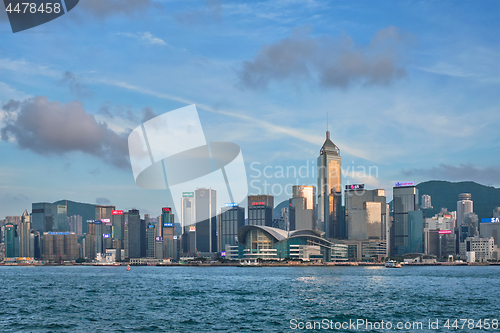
x,y
411,89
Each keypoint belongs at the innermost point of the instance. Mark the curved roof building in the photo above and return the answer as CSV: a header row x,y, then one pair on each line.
x,y
262,242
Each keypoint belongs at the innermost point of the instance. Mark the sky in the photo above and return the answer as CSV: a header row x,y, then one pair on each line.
x,y
411,89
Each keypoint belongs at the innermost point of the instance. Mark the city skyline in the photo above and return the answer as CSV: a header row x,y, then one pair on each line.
x,y
430,114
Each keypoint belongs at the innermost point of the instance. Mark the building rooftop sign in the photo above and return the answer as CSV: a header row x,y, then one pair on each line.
x,y
401,184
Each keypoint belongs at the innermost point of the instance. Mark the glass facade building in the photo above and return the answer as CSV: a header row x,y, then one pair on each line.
x,y
261,242
260,210
230,220
330,190
302,208
41,216
206,220
134,234
405,200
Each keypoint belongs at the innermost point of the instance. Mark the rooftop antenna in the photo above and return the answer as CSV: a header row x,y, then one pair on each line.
x,y
327,131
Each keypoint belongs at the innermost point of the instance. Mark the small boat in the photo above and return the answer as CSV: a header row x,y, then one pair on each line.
x,y
393,264
128,267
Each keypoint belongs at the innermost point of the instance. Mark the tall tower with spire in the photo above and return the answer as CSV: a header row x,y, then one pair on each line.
x,y
330,189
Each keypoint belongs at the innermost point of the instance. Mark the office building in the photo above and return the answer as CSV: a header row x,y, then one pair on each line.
x,y
60,218
75,223
365,213
230,220
104,212
330,190
302,208
144,244
469,226
283,221
168,234
440,243
206,220
41,216
59,245
150,235
158,247
188,223
405,200
134,234
15,220
11,240
464,207
260,210
24,235
440,222
490,228
117,223
483,249
426,201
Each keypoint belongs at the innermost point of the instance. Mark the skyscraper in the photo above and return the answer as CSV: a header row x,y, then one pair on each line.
x,y
206,220
60,218
118,224
42,218
329,190
365,212
134,234
464,207
11,241
103,212
230,220
260,210
188,223
150,235
168,233
405,200
302,208
24,235
426,201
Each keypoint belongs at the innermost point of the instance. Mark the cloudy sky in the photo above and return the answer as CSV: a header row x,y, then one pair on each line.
x,y
411,89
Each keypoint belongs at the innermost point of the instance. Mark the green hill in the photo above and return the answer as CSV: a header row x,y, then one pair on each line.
x,y
445,194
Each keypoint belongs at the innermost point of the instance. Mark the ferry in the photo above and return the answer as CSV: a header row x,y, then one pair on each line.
x,y
393,264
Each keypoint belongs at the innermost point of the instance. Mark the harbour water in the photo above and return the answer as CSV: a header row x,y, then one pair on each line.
x,y
244,299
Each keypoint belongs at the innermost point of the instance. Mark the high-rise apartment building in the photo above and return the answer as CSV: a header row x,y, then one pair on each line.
x,y
330,190
260,210
302,208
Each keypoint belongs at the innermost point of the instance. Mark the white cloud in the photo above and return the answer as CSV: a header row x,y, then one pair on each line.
x,y
145,37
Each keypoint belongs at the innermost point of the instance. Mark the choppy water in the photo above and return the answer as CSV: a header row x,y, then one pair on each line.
x,y
235,299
